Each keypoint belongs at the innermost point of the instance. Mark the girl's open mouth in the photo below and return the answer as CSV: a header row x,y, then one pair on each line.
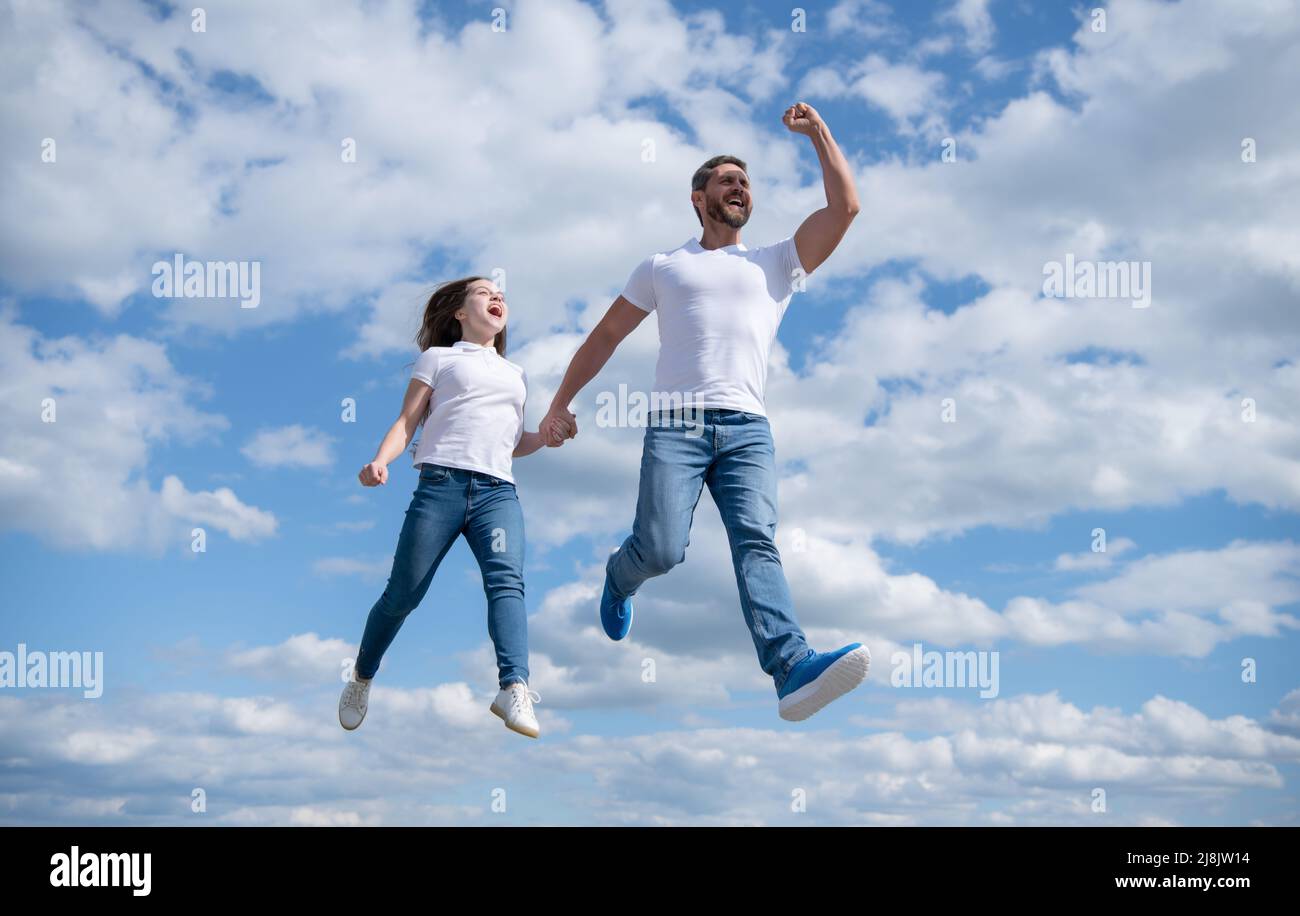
x,y
495,310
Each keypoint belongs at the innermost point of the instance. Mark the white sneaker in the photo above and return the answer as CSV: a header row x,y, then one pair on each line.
x,y
514,704
352,705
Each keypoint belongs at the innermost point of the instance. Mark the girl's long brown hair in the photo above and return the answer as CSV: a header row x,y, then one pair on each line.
x,y
439,327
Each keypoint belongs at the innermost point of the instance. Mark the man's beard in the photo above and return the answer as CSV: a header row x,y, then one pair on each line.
x,y
723,215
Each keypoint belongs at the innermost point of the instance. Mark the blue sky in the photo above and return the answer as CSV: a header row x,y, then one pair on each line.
x,y
222,668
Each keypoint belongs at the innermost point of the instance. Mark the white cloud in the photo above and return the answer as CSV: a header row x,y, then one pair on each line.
x,y
1028,759
871,18
994,68
1090,560
973,17
1286,718
290,446
1201,581
82,480
1150,47
304,656
266,181
374,570
1162,728
904,91
220,508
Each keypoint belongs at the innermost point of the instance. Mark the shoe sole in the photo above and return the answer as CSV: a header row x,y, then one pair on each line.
x,y
845,673
521,731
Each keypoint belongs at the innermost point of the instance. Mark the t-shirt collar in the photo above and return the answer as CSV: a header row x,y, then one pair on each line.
x,y
695,243
470,345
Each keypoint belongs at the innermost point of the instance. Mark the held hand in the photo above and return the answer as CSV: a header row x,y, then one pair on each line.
x,y
558,426
561,427
373,474
802,118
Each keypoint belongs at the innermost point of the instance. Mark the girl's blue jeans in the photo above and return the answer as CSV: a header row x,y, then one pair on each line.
x,y
447,503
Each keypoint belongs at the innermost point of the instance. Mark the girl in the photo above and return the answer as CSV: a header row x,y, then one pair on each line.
x,y
470,399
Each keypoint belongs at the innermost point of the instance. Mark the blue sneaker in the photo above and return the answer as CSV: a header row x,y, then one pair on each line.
x,y
615,615
820,678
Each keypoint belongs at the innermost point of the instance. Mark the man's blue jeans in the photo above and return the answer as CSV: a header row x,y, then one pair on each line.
x,y
732,452
449,502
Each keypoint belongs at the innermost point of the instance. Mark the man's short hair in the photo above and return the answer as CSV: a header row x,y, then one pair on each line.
x,y
701,176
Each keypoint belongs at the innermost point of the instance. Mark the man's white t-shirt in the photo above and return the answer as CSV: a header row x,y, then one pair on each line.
x,y
718,314
476,410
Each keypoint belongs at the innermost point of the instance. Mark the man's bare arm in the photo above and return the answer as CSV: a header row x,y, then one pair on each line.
x,y
822,231
620,321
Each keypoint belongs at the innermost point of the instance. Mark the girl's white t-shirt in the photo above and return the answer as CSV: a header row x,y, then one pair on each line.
x,y
476,411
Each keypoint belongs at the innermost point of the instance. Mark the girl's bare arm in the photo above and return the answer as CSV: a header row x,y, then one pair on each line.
x,y
399,434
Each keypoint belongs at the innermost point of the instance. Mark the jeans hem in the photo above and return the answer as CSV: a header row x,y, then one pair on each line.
x,y
609,578
789,666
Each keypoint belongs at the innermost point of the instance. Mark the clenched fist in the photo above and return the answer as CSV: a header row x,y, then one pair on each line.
x,y
801,118
373,474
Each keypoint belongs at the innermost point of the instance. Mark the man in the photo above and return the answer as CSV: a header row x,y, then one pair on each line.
x,y
719,306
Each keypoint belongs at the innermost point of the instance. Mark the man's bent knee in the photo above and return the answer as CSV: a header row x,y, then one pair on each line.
x,y
657,559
